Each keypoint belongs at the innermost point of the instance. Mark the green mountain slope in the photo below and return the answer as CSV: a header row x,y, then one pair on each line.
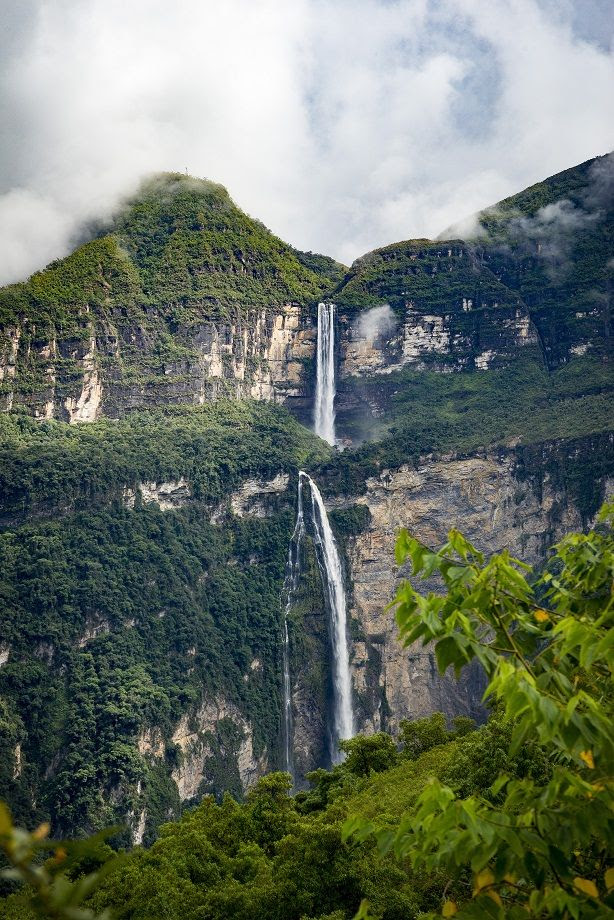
x,y
553,245
120,613
180,272
140,610
527,296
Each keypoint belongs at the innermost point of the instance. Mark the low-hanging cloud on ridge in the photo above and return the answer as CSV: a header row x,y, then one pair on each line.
x,y
342,124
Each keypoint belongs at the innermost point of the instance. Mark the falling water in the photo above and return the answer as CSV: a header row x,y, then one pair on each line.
x,y
324,412
290,583
328,559
332,580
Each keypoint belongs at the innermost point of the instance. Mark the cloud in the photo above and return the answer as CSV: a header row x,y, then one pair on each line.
x,y
375,323
342,124
551,232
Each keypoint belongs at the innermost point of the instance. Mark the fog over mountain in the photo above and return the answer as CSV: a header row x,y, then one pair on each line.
x,y
342,125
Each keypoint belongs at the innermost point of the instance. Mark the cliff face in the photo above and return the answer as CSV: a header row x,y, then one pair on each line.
x,y
259,353
499,504
521,499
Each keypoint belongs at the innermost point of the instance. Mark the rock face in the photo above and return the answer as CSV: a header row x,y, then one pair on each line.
x,y
452,314
251,499
166,495
261,353
215,732
498,505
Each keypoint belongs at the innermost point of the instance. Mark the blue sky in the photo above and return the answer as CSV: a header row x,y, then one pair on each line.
x,y
342,124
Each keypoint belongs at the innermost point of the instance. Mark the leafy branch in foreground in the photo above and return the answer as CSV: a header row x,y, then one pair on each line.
x,y
61,883
535,849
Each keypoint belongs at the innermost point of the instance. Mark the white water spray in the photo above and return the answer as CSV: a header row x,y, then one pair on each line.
x,y
324,411
332,580
290,584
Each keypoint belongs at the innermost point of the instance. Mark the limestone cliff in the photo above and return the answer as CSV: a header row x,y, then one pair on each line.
x,y
501,500
258,354
216,736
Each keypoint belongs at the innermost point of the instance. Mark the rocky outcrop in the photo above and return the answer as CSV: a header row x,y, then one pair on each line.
x,y
94,627
118,365
251,499
216,732
167,495
86,407
455,339
150,743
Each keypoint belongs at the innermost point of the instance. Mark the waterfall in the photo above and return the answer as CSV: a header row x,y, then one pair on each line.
x,y
329,565
290,583
332,580
327,555
324,412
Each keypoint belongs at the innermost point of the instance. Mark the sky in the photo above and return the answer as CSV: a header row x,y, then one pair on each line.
x,y
343,125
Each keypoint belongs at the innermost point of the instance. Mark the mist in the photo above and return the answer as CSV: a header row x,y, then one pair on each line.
x,y
378,322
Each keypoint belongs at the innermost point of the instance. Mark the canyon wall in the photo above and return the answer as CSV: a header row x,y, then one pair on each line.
x,y
500,500
519,499
118,365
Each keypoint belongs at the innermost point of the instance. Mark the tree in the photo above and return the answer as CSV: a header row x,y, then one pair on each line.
x,y
58,886
423,734
537,845
369,753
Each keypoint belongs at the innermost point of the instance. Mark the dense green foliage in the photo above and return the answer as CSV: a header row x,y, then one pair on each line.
x,y
181,244
191,243
59,884
434,276
546,251
538,845
46,465
121,619
511,820
523,405
281,857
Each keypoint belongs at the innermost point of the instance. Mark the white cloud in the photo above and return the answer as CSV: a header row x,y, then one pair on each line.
x,y
342,124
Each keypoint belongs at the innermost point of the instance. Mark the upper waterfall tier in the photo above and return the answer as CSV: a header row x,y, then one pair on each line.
x,y
324,410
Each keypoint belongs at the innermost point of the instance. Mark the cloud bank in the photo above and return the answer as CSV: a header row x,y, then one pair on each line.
x,y
342,124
